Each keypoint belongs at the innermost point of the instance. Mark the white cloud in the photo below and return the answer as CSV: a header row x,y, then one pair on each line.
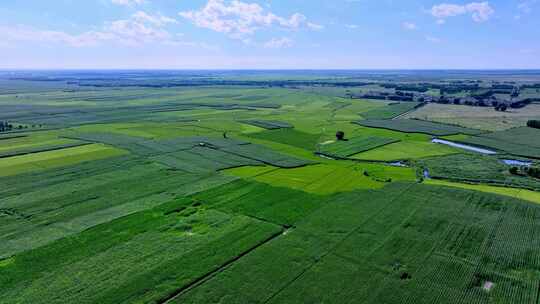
x,y
480,11
238,19
279,43
139,29
314,26
351,26
128,2
433,39
409,26
526,7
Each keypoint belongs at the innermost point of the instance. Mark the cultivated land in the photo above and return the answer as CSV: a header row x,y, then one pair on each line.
x,y
231,187
483,118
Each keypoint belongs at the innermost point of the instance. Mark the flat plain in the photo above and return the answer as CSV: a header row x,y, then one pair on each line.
x,y
169,190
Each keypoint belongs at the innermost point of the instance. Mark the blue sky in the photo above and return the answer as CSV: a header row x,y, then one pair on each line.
x,y
269,34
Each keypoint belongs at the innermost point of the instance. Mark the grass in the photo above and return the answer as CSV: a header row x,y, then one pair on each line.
x,y
390,111
476,168
58,158
327,179
405,150
418,126
355,145
184,203
288,136
527,195
482,118
409,242
175,237
518,141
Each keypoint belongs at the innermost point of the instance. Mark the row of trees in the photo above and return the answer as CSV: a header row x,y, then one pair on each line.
x,y
5,126
530,171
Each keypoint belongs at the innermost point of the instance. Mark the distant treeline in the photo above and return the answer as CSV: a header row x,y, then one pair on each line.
x,y
533,124
5,126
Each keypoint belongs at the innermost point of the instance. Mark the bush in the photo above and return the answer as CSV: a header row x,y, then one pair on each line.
x,y
514,170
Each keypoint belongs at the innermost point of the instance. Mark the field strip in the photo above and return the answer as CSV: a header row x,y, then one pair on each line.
x,y
201,280
333,248
523,194
44,149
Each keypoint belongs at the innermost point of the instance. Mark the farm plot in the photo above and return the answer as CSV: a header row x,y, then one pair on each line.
x,y
417,126
33,141
280,205
38,217
482,118
203,160
266,156
328,179
268,124
406,244
291,137
355,145
57,158
526,195
476,168
518,141
145,257
390,111
405,150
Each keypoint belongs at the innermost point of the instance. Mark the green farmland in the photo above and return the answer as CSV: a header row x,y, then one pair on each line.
x,y
174,189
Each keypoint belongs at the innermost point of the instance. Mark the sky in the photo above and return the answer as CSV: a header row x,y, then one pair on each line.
x,y
269,34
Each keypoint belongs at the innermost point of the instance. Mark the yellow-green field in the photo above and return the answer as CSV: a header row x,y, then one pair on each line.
x,y
532,196
327,178
405,150
483,118
59,158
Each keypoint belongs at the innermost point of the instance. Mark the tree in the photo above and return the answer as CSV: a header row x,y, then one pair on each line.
x,y
340,135
514,170
5,126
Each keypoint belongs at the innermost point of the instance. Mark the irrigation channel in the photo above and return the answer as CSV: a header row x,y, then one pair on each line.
x,y
462,146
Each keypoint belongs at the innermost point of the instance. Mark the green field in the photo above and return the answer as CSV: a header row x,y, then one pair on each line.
x,y
483,118
390,111
418,126
521,141
353,146
201,189
405,150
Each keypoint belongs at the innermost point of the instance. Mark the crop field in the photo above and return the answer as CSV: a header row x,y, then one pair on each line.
x,y
390,111
521,141
354,146
190,188
418,126
405,150
482,118
476,168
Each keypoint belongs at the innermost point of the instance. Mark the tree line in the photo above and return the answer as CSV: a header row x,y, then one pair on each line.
x,y
533,124
5,126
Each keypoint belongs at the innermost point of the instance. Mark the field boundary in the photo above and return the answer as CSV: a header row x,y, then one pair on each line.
x,y
197,282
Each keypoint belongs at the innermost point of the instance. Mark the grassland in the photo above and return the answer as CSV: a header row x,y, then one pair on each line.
x,y
58,158
392,110
478,169
518,141
405,150
482,118
135,190
353,146
418,126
